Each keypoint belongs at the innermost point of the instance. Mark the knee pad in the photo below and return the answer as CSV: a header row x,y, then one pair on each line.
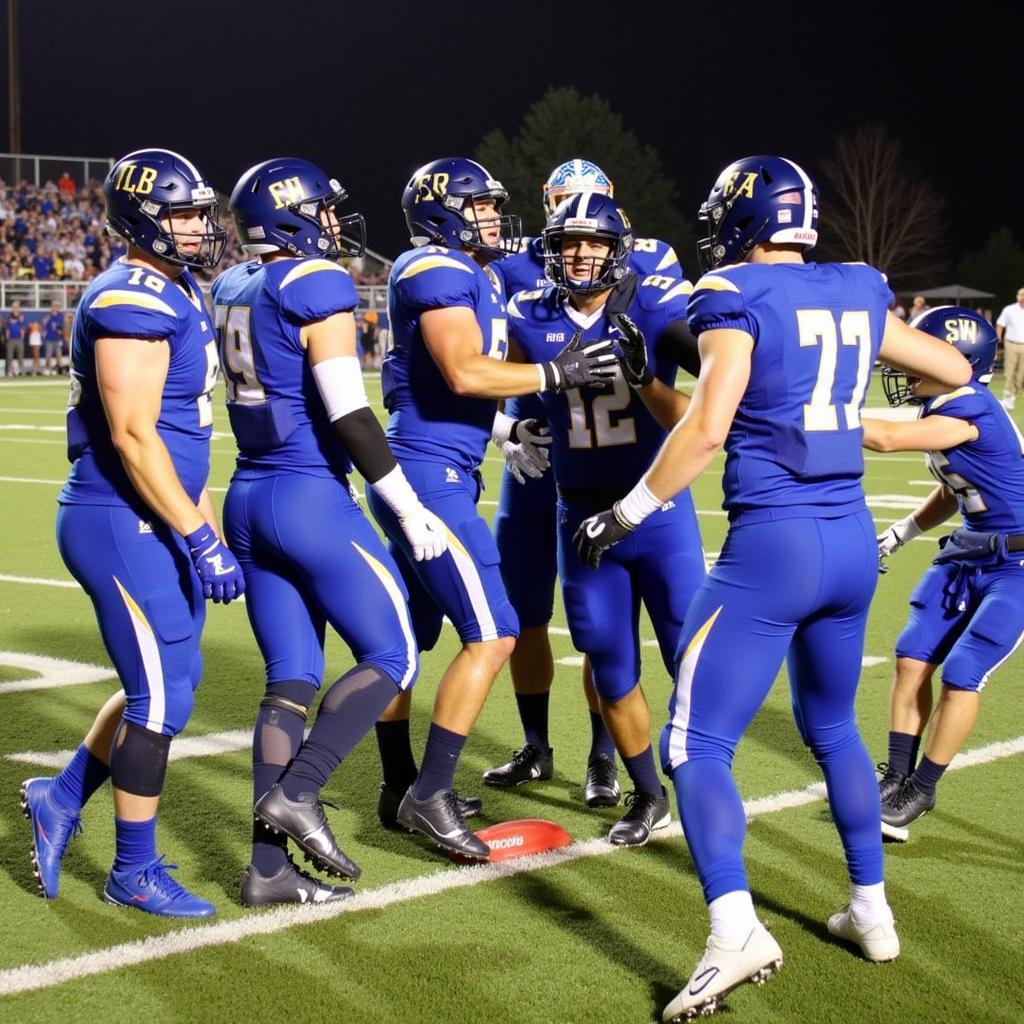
x,y
612,686
138,759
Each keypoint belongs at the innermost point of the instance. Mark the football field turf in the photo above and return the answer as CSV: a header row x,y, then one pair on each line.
x,y
589,934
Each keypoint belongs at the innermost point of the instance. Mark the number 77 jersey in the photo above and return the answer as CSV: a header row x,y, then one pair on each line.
x,y
795,444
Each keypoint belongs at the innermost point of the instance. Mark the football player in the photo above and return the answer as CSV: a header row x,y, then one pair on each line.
x,y
601,442
526,533
786,352
967,612
441,380
136,526
300,417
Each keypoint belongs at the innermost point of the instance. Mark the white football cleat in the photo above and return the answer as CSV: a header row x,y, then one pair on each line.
x,y
877,941
721,970
895,833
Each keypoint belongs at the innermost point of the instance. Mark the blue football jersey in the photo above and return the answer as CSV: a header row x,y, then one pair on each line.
x,y
274,406
524,271
127,301
986,474
600,436
427,419
795,444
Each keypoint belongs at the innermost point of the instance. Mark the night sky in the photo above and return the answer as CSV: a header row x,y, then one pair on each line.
x,y
371,90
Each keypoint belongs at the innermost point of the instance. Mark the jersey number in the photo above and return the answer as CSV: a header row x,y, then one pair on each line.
x,y
818,327
205,400
623,432
967,494
234,331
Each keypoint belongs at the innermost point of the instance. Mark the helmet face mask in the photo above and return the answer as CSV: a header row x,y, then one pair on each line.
x,y
589,215
968,332
571,178
757,199
147,191
441,203
291,204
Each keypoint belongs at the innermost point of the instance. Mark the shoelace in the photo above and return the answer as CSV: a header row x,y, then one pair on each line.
x,y
906,794
887,771
155,873
520,757
451,805
603,772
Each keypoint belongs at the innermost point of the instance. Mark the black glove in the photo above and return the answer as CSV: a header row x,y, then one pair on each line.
x,y
579,366
597,533
634,352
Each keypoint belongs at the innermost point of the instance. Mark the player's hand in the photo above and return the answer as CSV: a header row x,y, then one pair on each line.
x,y
597,533
217,568
888,542
634,352
578,366
525,451
425,532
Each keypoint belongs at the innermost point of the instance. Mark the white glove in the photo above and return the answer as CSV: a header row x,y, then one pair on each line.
x,y
527,457
895,537
425,532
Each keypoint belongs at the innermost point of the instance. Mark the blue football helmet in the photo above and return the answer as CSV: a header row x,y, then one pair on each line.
x,y
968,332
596,216
436,201
571,178
144,188
757,199
290,204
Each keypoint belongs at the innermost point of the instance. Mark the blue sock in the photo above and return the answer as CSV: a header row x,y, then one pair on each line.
x,y
642,771
79,779
903,747
533,713
136,843
601,741
396,760
439,760
269,851
927,774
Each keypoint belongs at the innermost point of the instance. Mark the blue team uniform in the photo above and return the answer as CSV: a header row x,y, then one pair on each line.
x,y
798,568
524,525
602,442
967,613
304,545
137,571
439,439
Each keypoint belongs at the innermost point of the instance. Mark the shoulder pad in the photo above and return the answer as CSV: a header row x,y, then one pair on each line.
x,y
311,266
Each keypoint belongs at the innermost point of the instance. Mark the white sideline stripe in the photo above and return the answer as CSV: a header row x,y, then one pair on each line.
x,y
38,581
56,672
206,745
32,977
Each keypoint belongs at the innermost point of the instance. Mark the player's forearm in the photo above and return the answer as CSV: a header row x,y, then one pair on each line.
x,y
209,513
935,509
483,377
151,472
686,453
665,404
878,435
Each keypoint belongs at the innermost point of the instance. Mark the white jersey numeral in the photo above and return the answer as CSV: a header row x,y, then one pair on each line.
x,y
817,327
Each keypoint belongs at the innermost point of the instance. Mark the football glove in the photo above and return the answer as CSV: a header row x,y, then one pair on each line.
x,y
597,533
426,533
633,345
217,568
895,537
525,451
578,366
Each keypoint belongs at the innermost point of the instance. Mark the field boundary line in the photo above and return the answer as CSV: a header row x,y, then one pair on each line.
x,y
33,977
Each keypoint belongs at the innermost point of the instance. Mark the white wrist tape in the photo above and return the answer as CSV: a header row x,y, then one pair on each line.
x,y
501,428
397,493
906,529
340,383
543,377
636,506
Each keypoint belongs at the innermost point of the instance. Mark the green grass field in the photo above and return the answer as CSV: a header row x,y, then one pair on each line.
x,y
596,935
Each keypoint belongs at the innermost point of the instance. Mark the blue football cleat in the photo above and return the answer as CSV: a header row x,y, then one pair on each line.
x,y
53,827
148,887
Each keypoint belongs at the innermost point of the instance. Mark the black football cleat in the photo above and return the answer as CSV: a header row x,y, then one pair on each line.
x,y
601,788
645,812
902,806
530,764
438,818
304,822
890,779
288,885
388,801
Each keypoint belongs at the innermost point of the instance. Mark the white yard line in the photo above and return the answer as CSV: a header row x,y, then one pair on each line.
x,y
32,977
49,673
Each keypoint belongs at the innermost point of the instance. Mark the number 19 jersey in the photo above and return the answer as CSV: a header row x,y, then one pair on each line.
x,y
794,448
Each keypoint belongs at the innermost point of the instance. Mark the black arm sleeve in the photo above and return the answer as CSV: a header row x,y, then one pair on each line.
x,y
680,345
365,443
